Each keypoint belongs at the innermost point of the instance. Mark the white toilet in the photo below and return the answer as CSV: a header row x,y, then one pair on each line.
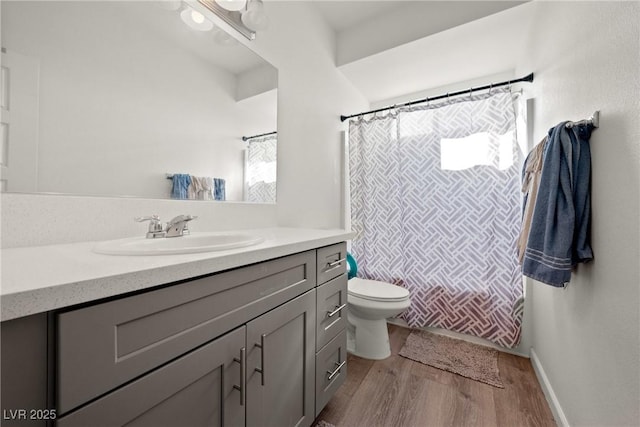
x,y
370,303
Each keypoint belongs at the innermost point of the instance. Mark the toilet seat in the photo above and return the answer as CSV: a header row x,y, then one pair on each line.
x,y
374,290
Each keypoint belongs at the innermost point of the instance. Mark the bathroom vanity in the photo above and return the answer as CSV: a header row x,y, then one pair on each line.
x,y
262,343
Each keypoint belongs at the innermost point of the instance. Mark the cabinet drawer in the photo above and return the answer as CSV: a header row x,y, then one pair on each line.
x,y
105,345
331,313
194,390
331,369
332,262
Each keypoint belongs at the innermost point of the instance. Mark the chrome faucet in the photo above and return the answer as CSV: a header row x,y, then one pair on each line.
x,y
178,226
175,228
155,226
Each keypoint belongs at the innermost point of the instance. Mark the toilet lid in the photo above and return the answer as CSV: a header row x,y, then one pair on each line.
x,y
376,291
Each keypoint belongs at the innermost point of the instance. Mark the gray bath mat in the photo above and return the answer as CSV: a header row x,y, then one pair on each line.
x,y
472,361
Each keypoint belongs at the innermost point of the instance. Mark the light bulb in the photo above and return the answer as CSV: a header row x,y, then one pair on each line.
x,y
254,17
195,20
255,5
197,17
232,5
255,20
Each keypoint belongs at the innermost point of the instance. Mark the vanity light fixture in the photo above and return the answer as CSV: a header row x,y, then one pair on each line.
x,y
246,20
244,16
195,19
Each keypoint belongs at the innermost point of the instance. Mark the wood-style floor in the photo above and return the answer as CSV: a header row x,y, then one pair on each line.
x,y
398,392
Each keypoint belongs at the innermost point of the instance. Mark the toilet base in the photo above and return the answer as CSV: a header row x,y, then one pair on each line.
x,y
367,338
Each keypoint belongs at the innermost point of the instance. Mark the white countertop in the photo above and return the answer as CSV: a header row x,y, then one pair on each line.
x,y
42,278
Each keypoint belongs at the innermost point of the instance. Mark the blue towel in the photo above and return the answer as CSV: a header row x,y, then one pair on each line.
x,y
181,184
559,237
219,191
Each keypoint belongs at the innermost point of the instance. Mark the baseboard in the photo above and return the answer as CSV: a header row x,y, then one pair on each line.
x,y
552,399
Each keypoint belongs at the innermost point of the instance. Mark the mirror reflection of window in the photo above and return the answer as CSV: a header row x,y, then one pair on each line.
x,y
260,179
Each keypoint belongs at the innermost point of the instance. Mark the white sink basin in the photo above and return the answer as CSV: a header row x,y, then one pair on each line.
x,y
189,244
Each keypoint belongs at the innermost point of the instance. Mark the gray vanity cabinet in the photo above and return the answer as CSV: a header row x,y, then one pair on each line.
x,y
207,387
280,388
259,345
196,390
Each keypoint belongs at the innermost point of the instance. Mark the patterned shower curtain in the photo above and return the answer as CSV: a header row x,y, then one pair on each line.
x,y
435,204
261,169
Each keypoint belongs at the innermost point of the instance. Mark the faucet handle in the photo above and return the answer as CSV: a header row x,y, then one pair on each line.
x,y
155,226
152,218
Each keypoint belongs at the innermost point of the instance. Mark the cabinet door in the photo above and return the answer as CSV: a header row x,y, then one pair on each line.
x,y
281,365
194,390
24,371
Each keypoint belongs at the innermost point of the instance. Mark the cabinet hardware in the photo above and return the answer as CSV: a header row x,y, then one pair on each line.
x,y
333,374
336,310
336,263
243,373
260,370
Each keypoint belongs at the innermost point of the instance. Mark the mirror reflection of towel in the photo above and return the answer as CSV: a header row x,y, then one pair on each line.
x,y
219,191
206,184
195,188
181,183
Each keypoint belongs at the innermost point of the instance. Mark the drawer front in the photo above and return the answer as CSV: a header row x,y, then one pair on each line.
x,y
332,262
105,345
331,312
331,369
194,390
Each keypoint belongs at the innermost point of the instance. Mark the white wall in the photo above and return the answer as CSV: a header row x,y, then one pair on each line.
x,y
587,338
312,94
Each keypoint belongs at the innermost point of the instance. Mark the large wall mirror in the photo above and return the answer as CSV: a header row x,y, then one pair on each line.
x,y
125,99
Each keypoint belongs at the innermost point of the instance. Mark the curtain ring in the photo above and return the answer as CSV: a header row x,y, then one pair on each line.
x,y
490,88
470,92
448,98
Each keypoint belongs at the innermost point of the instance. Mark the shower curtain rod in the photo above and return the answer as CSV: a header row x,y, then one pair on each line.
x,y
246,138
528,78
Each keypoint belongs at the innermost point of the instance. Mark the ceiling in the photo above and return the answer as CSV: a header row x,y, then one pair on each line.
x,y
342,15
389,49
